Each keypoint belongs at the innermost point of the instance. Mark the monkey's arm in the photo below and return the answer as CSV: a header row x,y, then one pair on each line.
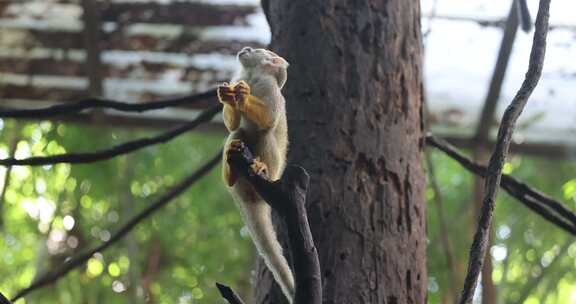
x,y
237,98
253,107
257,111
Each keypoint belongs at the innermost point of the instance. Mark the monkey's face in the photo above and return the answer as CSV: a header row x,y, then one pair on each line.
x,y
264,60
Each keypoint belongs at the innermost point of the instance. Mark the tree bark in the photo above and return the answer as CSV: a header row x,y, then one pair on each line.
x,y
354,101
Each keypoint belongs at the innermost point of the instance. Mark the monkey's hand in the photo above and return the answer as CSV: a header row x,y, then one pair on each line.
x,y
242,94
257,167
226,94
238,97
234,95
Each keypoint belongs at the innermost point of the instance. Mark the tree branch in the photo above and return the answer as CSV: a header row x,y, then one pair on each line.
x,y
525,18
288,197
494,172
3,299
487,116
229,294
125,148
547,207
64,109
79,260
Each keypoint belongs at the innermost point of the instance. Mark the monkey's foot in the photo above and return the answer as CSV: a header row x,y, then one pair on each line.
x,y
241,91
226,94
259,168
236,145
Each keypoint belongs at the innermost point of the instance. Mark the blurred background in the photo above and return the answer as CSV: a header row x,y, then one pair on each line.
x,y
54,52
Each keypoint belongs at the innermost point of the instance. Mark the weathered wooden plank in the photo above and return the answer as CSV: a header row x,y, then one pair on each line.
x,y
41,95
187,42
66,67
178,12
9,91
183,13
42,66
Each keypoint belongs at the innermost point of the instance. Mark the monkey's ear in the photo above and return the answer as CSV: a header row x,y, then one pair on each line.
x,y
276,62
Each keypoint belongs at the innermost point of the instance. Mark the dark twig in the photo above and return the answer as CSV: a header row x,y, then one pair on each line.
x,y
525,18
288,197
560,216
3,299
496,163
229,294
125,148
495,88
93,103
80,259
542,204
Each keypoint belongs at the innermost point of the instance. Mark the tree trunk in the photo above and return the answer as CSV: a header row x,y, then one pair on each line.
x,y
354,100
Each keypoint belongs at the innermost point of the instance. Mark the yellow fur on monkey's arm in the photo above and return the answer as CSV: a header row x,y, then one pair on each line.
x,y
231,118
257,111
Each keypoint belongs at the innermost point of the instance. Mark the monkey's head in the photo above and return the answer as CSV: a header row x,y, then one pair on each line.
x,y
264,61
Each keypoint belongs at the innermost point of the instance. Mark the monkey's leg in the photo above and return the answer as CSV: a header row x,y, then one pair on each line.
x,y
228,174
255,109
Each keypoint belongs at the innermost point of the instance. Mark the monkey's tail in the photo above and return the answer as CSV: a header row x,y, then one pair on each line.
x,y
259,222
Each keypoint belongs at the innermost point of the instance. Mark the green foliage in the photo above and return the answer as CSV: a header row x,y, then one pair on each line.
x,y
50,213
53,212
532,258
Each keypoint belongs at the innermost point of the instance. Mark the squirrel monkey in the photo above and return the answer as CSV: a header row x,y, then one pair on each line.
x,y
255,114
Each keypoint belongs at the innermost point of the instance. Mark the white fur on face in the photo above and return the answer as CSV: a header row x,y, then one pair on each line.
x,y
264,61
251,58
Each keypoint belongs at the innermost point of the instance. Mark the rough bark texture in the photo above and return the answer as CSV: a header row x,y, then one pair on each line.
x,y
354,101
